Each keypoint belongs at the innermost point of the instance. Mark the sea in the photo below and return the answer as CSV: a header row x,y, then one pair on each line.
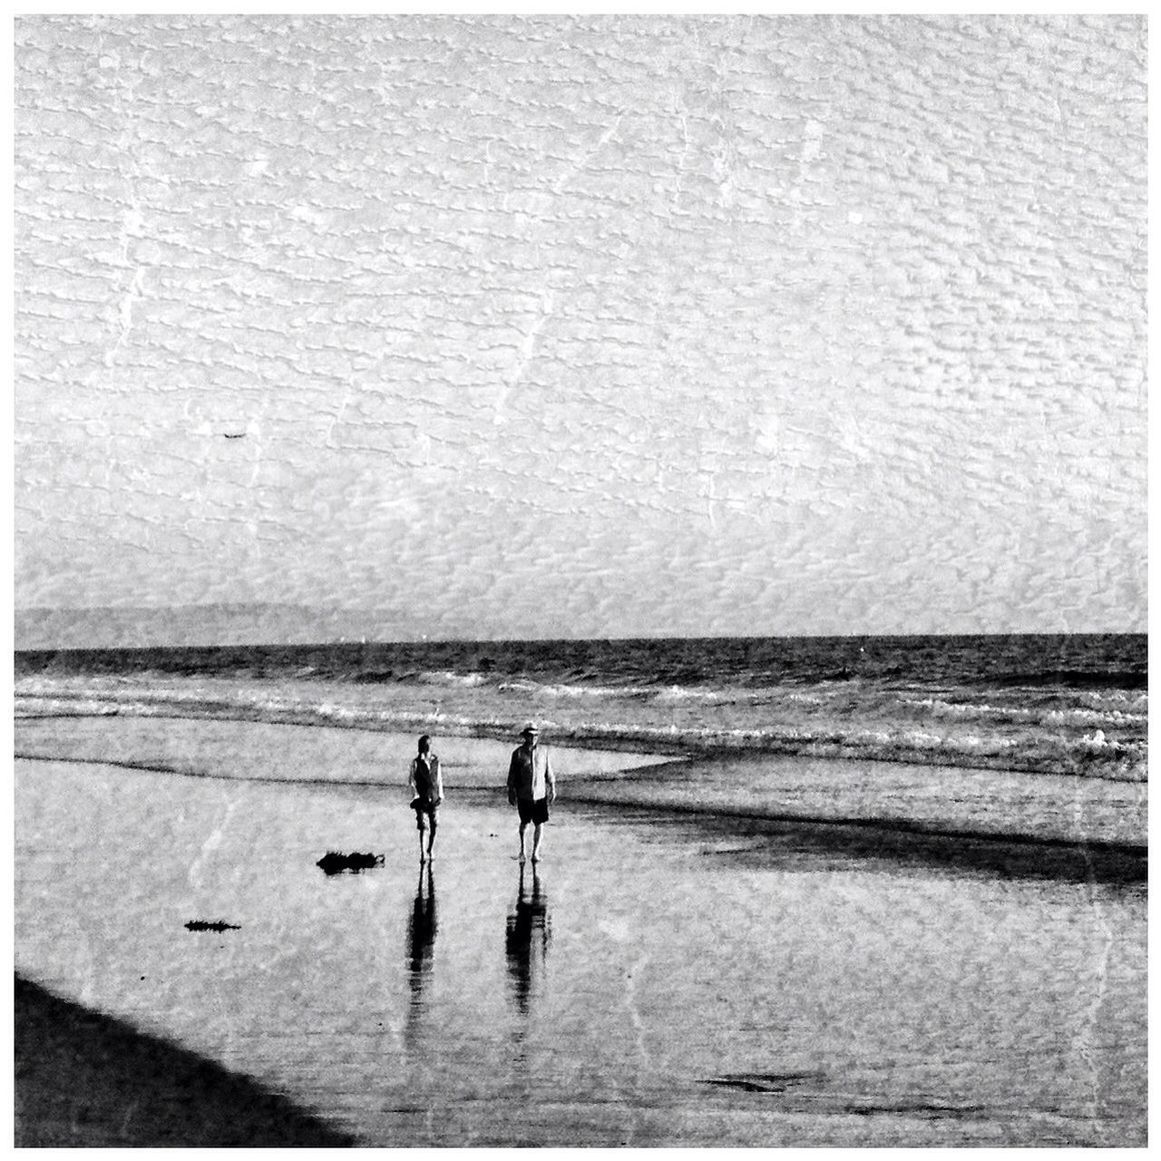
x,y
1072,705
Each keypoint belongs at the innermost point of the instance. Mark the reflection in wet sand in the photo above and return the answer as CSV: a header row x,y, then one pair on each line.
x,y
527,938
421,930
741,987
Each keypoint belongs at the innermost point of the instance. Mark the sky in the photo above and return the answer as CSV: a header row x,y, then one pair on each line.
x,y
585,326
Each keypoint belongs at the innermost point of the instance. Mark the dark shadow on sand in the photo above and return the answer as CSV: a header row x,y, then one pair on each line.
x,y
87,1080
770,841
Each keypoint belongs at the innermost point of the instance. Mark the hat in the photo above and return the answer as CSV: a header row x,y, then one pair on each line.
x,y
529,729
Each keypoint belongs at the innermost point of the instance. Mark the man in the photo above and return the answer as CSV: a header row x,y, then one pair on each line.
x,y
426,783
531,787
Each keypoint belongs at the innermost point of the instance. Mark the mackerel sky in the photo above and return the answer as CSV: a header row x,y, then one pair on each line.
x,y
586,326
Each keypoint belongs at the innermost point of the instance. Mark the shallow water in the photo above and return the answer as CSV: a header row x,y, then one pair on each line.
x,y
659,981
939,799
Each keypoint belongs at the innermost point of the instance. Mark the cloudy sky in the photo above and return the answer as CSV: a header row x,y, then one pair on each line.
x,y
586,326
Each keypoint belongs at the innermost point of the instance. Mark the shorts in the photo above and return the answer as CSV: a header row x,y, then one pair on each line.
x,y
532,810
422,812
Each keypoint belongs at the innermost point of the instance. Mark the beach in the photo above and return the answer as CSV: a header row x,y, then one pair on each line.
x,y
664,977
755,404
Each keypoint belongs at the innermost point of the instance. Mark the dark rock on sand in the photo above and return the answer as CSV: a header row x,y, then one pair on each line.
x,y
211,925
334,863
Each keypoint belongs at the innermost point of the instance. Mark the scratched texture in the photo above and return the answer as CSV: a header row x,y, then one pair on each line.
x,y
585,326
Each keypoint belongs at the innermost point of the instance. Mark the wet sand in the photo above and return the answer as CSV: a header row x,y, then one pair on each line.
x,y
662,978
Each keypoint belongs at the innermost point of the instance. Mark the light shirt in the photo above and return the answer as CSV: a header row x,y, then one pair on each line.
x,y
530,774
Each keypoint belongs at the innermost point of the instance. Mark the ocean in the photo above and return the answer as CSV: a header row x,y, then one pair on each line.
x,y
1067,705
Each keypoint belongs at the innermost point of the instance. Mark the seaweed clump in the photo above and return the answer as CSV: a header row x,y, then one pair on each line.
x,y
334,863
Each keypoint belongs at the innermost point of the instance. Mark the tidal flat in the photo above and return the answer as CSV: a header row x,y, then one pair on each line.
x,y
661,978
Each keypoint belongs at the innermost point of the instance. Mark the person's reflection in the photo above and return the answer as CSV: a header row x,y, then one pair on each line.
x,y
421,929
526,942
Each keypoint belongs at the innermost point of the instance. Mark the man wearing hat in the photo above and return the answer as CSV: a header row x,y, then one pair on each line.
x,y
531,787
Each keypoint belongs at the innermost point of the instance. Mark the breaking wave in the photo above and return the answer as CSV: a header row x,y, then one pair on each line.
x,y
873,726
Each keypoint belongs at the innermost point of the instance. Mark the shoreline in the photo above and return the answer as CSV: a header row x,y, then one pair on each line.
x,y
1078,827
1012,853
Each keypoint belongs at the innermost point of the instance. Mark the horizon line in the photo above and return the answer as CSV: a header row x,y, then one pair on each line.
x,y
429,640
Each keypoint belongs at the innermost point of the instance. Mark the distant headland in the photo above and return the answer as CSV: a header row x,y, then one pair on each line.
x,y
123,627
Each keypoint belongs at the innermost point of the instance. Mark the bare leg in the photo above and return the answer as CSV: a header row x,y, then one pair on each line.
x,y
537,831
430,835
421,844
523,828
